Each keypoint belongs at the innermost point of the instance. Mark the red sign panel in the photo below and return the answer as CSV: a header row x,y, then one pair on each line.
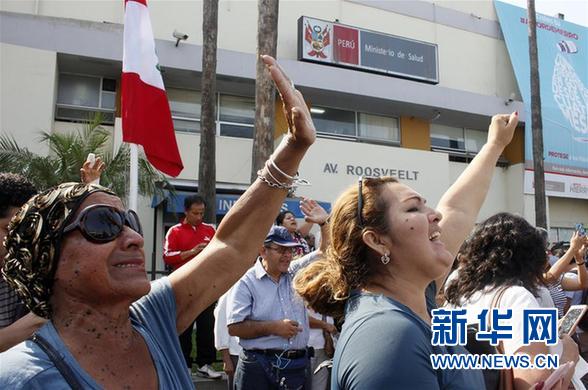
x,y
346,44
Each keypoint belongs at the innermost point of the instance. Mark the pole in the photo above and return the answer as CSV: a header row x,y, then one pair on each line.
x,y
536,121
134,177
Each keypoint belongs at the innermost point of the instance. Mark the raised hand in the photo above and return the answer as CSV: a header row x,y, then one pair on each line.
x,y
576,241
313,212
502,129
89,174
301,128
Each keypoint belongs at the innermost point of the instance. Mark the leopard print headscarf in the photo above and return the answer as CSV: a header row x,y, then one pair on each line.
x,y
34,239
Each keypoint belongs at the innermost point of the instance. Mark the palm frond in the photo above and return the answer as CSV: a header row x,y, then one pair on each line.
x,y
13,158
67,153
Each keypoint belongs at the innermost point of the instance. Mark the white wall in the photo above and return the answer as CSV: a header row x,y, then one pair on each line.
x,y
233,158
431,179
567,213
515,183
467,61
502,195
27,94
483,9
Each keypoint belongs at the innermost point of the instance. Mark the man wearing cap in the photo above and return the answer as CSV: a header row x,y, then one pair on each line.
x,y
269,317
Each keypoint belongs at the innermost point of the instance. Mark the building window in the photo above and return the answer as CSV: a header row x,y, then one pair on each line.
x,y
377,127
79,96
475,139
185,109
557,234
355,125
468,141
461,144
236,116
447,138
334,121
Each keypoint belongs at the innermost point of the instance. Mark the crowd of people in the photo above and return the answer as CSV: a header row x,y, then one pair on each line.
x,y
77,310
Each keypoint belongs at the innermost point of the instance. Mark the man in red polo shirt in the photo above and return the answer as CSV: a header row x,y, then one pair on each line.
x,y
182,243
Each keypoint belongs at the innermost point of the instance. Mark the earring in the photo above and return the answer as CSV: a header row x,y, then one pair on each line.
x,y
385,259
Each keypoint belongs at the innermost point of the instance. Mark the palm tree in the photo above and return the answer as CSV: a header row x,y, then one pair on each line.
x,y
265,92
67,153
536,121
207,162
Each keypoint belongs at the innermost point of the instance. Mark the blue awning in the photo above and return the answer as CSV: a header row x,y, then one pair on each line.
x,y
224,202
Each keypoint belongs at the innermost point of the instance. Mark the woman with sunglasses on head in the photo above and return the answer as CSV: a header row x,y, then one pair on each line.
x,y
389,253
76,257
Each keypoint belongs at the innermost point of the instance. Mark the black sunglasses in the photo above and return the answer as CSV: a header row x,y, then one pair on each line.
x,y
360,220
102,223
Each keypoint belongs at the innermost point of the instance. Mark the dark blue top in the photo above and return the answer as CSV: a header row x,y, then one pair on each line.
x,y
385,345
26,366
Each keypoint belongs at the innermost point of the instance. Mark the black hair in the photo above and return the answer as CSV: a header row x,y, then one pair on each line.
x,y
193,199
504,250
280,218
15,190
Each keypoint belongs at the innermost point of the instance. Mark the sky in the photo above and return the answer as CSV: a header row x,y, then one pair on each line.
x,y
575,11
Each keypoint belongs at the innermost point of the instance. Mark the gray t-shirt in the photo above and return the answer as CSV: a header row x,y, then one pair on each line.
x,y
385,345
153,316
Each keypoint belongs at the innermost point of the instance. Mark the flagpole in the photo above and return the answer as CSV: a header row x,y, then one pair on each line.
x,y
133,177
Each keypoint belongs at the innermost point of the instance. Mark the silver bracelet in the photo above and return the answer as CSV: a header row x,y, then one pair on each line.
x,y
296,180
273,164
269,172
272,184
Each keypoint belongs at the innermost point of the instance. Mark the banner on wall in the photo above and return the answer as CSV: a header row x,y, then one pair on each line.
x,y
563,71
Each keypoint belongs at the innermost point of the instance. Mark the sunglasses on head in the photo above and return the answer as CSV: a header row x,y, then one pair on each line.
x,y
360,220
102,223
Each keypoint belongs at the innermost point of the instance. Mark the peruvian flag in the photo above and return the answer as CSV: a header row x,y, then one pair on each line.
x,y
146,118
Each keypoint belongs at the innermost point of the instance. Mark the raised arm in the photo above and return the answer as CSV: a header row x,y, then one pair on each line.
x,y
462,201
315,213
580,245
563,263
234,247
305,228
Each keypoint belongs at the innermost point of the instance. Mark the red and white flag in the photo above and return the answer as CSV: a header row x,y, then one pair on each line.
x,y
146,118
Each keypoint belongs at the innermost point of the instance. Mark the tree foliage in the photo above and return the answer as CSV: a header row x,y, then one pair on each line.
x,y
68,152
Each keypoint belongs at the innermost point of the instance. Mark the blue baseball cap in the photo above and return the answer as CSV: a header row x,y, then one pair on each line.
x,y
279,235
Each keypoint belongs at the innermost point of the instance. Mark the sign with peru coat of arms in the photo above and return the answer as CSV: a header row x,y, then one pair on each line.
x,y
351,47
318,36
